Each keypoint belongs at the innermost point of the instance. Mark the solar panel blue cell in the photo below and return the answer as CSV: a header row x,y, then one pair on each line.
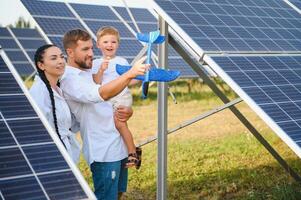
x,y
129,47
69,188
258,95
47,8
10,158
24,69
29,187
45,158
16,55
31,44
15,106
8,44
4,32
6,137
94,12
8,84
57,26
3,67
142,15
26,32
58,41
123,13
29,131
123,30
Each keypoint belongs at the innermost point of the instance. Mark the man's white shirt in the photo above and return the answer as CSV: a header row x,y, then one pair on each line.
x,y
101,140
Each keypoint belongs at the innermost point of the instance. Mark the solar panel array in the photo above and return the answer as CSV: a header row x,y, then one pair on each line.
x,y
55,23
237,25
13,50
146,23
32,166
270,84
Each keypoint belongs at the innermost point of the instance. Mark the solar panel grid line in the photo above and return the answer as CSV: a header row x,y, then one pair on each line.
x,y
23,50
256,107
46,125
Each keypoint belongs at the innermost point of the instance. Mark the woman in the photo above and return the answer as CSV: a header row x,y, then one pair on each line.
x,y
50,64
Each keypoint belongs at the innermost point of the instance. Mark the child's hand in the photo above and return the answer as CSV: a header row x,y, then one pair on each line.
x,y
104,65
139,68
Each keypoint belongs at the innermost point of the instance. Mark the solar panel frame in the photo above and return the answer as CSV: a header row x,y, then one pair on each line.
x,y
35,170
264,101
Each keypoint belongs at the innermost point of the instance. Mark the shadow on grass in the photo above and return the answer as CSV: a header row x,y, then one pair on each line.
x,y
263,182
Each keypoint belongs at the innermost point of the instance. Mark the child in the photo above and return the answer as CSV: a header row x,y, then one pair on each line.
x,y
103,72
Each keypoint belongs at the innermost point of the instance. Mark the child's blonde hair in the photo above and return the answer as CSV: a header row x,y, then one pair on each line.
x,y
107,30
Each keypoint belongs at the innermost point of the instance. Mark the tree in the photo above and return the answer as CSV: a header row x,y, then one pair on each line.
x,y
21,23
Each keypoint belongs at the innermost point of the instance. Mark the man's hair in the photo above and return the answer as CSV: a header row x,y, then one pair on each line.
x,y
107,30
71,37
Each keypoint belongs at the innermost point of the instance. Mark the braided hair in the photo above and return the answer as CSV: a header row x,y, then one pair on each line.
x,y
38,57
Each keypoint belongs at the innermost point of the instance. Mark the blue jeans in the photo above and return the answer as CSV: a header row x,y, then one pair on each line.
x,y
109,179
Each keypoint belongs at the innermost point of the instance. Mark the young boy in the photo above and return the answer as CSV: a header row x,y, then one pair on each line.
x,y
104,71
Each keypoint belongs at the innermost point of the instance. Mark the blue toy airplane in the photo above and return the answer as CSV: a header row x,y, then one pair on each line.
x,y
154,74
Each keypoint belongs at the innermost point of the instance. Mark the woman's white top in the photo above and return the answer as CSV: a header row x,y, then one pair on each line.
x,y
65,122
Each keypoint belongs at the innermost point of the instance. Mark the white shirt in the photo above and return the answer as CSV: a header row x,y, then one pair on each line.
x,y
101,140
41,96
110,73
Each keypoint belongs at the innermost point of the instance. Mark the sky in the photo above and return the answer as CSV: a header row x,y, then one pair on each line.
x,y
11,10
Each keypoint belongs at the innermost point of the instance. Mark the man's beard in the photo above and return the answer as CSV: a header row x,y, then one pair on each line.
x,y
82,64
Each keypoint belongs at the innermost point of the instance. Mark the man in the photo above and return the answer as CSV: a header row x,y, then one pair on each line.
x,y
103,146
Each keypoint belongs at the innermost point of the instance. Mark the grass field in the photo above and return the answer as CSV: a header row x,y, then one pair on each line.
x,y
216,158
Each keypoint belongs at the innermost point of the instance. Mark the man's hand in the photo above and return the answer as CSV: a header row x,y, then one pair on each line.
x,y
123,113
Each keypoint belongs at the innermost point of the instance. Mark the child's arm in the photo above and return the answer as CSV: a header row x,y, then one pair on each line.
x,y
99,75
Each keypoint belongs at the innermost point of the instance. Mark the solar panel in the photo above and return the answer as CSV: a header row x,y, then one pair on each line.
x,y
146,23
53,23
14,52
32,166
271,85
235,26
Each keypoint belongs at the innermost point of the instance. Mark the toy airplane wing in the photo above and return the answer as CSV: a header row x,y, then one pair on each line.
x,y
152,37
155,74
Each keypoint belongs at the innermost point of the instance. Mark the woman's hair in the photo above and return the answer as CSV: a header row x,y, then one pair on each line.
x,y
38,57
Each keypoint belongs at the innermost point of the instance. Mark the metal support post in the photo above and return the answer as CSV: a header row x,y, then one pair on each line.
x,y
162,117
